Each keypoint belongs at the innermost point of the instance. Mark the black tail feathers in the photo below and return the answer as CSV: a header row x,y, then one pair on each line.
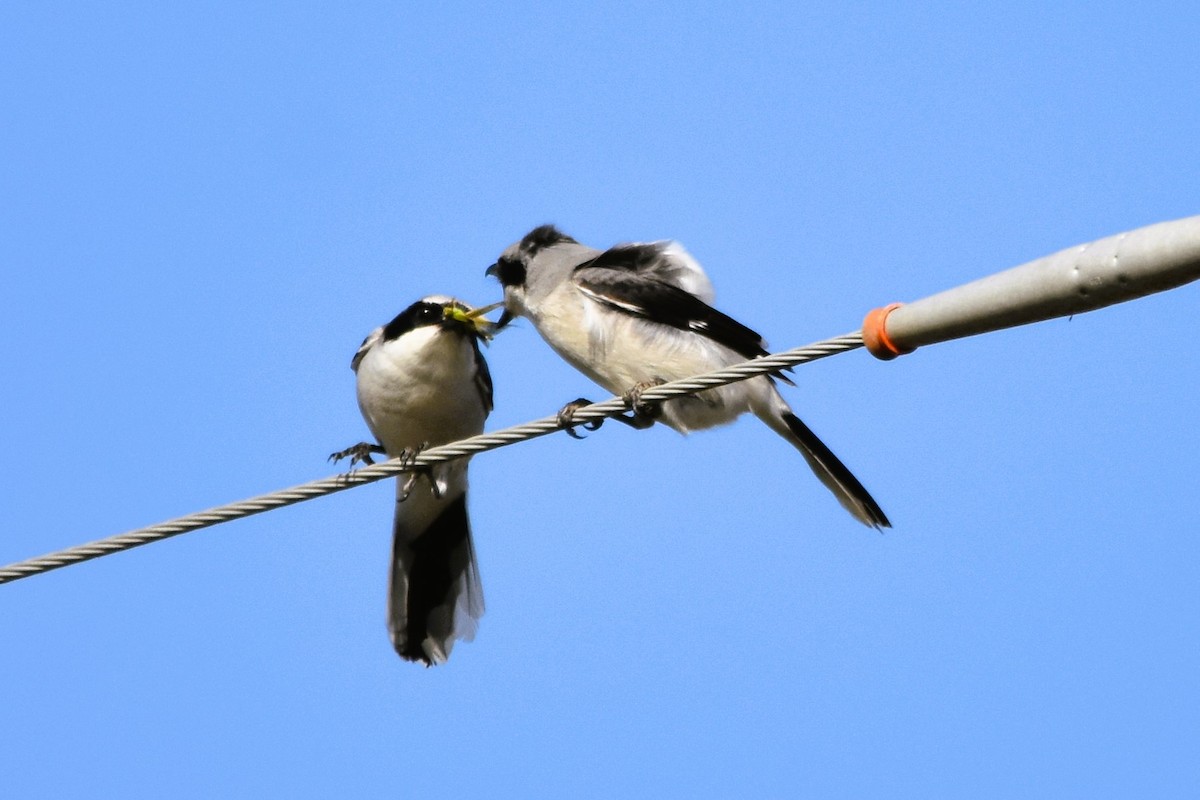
x,y
835,475
430,576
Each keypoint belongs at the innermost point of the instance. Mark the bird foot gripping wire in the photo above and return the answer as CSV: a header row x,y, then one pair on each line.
x,y
361,454
643,413
358,454
566,418
436,474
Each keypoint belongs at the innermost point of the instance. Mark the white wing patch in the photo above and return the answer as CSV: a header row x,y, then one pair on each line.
x,y
610,300
679,268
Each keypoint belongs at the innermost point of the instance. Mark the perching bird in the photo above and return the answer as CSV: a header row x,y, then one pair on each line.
x,y
422,381
639,314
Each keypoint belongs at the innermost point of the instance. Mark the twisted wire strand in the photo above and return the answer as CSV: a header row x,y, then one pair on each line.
x,y
429,457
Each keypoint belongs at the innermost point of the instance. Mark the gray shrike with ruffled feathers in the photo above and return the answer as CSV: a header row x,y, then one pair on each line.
x,y
636,315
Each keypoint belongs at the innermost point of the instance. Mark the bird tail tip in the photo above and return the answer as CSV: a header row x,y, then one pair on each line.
x,y
848,490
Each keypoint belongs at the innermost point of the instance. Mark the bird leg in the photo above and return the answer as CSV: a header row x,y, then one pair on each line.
x,y
643,416
566,418
436,483
644,413
359,454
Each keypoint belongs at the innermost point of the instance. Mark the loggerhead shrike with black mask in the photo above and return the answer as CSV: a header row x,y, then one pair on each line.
x,y
422,381
636,315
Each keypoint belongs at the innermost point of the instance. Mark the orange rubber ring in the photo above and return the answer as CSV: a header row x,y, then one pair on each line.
x,y
875,335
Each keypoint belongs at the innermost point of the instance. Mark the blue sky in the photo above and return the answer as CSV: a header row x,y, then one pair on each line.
x,y
205,207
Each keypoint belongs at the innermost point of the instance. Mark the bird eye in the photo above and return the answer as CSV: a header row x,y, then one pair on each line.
x,y
418,314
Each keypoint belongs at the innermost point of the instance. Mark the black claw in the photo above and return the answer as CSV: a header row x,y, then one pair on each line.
x,y
643,410
415,472
358,454
409,454
566,418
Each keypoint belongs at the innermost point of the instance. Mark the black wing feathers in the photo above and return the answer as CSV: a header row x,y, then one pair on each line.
x,y
631,257
617,277
483,376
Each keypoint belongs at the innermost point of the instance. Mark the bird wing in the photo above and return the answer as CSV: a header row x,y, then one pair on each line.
x,y
373,338
483,377
649,281
666,261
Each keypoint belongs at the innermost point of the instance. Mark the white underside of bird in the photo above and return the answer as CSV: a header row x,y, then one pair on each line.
x,y
422,389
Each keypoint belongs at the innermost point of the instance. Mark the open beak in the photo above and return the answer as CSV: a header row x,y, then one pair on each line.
x,y
505,318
